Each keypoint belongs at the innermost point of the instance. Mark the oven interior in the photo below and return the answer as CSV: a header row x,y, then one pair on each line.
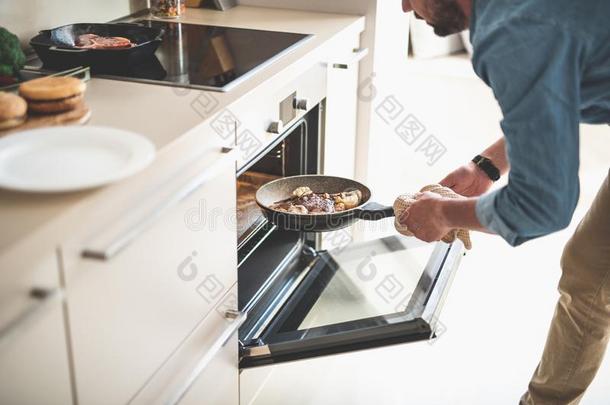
x,y
266,254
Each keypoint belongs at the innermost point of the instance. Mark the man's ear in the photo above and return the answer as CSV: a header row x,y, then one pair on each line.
x,y
406,6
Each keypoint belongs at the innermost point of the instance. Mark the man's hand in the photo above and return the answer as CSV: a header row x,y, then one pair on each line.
x,y
425,218
468,180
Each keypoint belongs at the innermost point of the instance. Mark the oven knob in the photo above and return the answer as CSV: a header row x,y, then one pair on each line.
x,y
276,127
300,103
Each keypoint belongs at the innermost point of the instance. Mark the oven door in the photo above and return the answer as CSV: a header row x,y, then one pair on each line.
x,y
355,296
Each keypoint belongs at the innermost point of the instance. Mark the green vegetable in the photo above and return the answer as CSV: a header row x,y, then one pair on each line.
x,y
12,58
6,70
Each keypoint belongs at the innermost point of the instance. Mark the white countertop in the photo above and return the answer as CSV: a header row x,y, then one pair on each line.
x,y
165,115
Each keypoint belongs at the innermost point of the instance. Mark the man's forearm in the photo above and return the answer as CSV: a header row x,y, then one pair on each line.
x,y
497,154
462,214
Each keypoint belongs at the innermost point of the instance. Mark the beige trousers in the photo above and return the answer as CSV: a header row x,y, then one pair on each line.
x,y
579,333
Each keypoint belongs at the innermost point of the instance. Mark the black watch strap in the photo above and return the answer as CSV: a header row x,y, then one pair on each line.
x,y
487,166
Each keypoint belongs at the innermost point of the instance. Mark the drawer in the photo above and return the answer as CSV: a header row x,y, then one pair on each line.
x,y
136,290
204,370
219,383
31,313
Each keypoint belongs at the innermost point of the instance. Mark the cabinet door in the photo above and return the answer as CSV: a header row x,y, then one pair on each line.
x,y
135,292
204,370
33,350
341,114
219,383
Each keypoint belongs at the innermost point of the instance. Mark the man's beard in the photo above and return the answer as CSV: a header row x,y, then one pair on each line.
x,y
449,18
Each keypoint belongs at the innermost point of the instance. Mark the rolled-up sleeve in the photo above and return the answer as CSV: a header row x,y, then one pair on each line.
x,y
534,69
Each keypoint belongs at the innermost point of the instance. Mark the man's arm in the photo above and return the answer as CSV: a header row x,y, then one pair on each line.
x,y
497,154
534,68
469,180
462,213
431,217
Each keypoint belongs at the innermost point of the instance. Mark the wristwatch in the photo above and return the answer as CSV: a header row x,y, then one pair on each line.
x,y
487,166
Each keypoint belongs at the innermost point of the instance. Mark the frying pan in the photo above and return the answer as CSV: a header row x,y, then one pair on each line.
x,y
281,189
56,47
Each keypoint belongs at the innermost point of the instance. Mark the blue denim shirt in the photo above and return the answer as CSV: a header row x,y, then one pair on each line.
x,y
548,63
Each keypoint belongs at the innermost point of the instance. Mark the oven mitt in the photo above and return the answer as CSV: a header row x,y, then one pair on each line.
x,y
404,201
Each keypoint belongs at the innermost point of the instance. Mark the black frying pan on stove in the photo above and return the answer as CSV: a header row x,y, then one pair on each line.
x,y
281,189
57,47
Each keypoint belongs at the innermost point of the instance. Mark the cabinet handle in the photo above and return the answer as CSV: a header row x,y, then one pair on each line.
x,y
357,55
105,248
237,319
42,298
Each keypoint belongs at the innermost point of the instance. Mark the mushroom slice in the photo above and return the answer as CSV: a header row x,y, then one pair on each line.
x,y
301,191
350,199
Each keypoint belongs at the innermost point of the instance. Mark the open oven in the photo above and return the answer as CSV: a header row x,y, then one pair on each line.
x,y
303,301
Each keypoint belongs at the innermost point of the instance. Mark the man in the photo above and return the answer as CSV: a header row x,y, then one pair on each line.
x,y
548,63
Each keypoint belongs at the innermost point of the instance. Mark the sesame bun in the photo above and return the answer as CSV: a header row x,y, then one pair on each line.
x,y
12,110
56,106
51,88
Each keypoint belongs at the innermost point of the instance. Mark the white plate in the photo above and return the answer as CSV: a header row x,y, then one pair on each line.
x,y
59,159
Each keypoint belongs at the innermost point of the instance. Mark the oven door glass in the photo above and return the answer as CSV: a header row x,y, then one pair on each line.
x,y
359,296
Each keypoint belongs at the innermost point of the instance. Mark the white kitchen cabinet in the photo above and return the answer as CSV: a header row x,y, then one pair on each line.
x,y
339,143
34,367
219,383
130,307
204,370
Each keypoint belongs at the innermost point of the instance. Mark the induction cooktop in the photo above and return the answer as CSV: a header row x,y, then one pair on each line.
x,y
207,57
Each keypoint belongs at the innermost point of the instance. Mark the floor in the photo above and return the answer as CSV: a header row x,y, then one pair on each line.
x,y
499,308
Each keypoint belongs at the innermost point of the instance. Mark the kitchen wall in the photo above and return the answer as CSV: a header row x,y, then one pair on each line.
x,y
26,17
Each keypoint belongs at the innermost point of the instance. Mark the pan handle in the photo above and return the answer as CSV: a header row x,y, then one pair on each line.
x,y
373,211
135,24
54,48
